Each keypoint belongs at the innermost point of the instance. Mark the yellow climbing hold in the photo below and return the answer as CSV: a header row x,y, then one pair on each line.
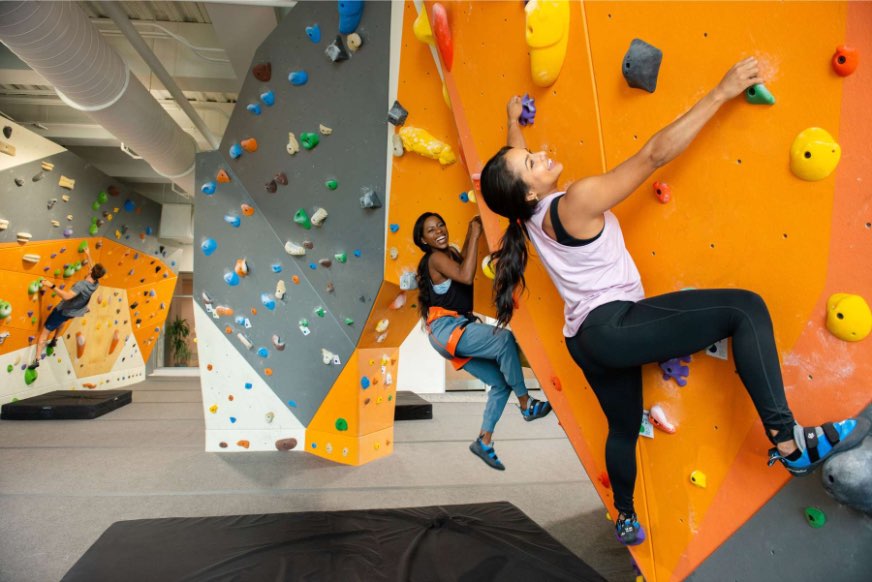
x,y
698,479
421,142
848,317
814,154
422,29
547,35
213,409
487,267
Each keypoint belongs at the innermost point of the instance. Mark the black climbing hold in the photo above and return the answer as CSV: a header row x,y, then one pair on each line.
x,y
19,182
7,131
642,65
337,51
370,199
397,114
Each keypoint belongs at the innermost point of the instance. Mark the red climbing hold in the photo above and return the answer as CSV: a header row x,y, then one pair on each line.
x,y
439,21
663,192
262,72
845,60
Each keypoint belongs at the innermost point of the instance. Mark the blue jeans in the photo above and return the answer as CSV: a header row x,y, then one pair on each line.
x,y
495,361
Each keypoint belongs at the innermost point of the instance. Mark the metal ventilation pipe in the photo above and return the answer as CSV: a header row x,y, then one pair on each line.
x,y
57,40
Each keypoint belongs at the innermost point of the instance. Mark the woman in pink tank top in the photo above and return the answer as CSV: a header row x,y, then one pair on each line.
x,y
611,329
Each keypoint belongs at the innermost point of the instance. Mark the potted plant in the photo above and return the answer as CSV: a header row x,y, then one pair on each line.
x,y
177,336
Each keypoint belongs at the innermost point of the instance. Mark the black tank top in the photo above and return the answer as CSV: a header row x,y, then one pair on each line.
x,y
564,237
458,298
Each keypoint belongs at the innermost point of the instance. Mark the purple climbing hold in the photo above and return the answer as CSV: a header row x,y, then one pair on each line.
x,y
528,110
676,370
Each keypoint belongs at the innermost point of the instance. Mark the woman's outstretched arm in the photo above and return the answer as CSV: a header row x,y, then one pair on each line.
x,y
514,136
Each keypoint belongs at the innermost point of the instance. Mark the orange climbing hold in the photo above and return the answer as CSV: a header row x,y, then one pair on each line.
x,y
243,444
296,280
89,385
222,177
268,371
247,210
115,339
209,367
80,344
249,145
845,60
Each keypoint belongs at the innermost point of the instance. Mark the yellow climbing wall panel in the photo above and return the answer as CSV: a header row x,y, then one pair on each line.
x,y
738,218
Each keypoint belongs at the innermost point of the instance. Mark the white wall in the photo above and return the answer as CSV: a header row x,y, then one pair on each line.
x,y
421,369
29,146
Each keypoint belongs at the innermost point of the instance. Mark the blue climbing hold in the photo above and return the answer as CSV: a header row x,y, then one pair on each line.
x,y
298,78
313,266
248,386
253,108
149,231
350,12
268,301
231,278
395,227
292,403
268,98
357,253
233,419
239,319
129,205
464,197
277,268
263,352
364,382
232,220
314,33
208,188
235,151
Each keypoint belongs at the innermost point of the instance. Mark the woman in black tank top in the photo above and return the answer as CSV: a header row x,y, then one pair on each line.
x,y
445,300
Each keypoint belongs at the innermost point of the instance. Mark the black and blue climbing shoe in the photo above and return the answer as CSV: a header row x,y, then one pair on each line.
x,y
535,409
628,530
487,454
816,444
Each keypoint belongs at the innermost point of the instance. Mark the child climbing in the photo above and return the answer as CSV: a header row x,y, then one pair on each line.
x,y
74,304
445,293
611,328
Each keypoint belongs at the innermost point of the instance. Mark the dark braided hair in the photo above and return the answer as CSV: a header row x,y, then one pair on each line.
x,y
506,195
423,277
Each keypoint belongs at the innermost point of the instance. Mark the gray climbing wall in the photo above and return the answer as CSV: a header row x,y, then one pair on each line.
x,y
349,97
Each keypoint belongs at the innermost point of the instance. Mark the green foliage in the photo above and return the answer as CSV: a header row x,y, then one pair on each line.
x,y
177,335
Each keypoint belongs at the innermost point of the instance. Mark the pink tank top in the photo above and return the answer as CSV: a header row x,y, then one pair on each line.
x,y
586,276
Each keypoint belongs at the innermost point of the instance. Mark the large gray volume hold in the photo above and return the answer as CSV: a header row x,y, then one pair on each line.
x,y
642,65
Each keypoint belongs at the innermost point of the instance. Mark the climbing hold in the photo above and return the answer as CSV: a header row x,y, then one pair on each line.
x,y
759,95
309,140
353,42
364,382
398,301
314,33
262,72
341,424
350,12
7,131
30,258
241,267
281,289
324,130
222,177
262,352
397,146
19,182
247,210
208,246
271,186
327,357
369,199
642,65
278,343
421,28
23,237
848,317
294,249
319,311
295,279
244,444
349,321
528,110
382,325
298,78
208,188
341,257
394,227
81,343
547,36
5,309
116,338
249,145
268,98
408,281
235,151
442,34
281,178
253,108
33,287
319,217
357,253
487,267
814,154
268,301
397,114
285,444
67,183
815,517
422,142
245,341
325,263
331,184
30,376
675,370
663,192
232,220
231,279
51,203
698,479
293,145
845,60
302,218
394,253
658,418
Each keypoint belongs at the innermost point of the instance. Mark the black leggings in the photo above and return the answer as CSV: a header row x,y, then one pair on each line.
x,y
618,337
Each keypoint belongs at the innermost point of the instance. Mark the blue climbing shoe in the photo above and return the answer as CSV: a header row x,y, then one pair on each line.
x,y
487,454
817,443
535,409
628,530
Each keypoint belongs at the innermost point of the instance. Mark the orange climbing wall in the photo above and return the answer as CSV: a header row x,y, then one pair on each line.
x,y
732,223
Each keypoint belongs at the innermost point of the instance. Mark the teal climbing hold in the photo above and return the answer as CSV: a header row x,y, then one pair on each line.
x,y
759,95
302,218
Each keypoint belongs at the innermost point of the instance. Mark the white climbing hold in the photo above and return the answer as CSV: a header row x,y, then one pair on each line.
x,y
23,237
4,224
293,248
245,341
394,253
658,418
319,217
324,129
30,258
382,326
278,343
353,41
397,145
398,301
281,289
327,356
293,145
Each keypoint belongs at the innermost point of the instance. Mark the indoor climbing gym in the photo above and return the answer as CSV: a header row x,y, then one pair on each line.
x,y
435,291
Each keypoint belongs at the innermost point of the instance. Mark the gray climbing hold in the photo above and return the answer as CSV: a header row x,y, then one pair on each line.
x,y
19,182
337,51
370,199
847,477
397,114
642,65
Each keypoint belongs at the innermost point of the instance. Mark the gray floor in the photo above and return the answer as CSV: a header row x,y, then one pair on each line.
x,y
62,483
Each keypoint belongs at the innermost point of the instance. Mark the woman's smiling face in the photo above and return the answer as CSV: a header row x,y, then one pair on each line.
x,y
537,170
435,233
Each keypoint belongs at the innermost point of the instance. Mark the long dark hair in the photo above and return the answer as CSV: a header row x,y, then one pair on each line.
x,y
506,194
424,287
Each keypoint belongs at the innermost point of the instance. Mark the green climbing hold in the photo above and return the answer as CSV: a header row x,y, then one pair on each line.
x,y
34,321
319,311
77,266
341,257
815,517
95,206
390,397
9,368
102,197
30,376
341,424
69,272
309,140
15,400
92,230
759,95
304,322
49,351
33,288
349,321
302,218
331,184
83,246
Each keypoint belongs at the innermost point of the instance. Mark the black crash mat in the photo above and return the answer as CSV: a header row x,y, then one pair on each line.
x,y
470,543
66,404
410,406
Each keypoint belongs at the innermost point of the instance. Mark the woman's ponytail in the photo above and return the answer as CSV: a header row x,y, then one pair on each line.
x,y
510,261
